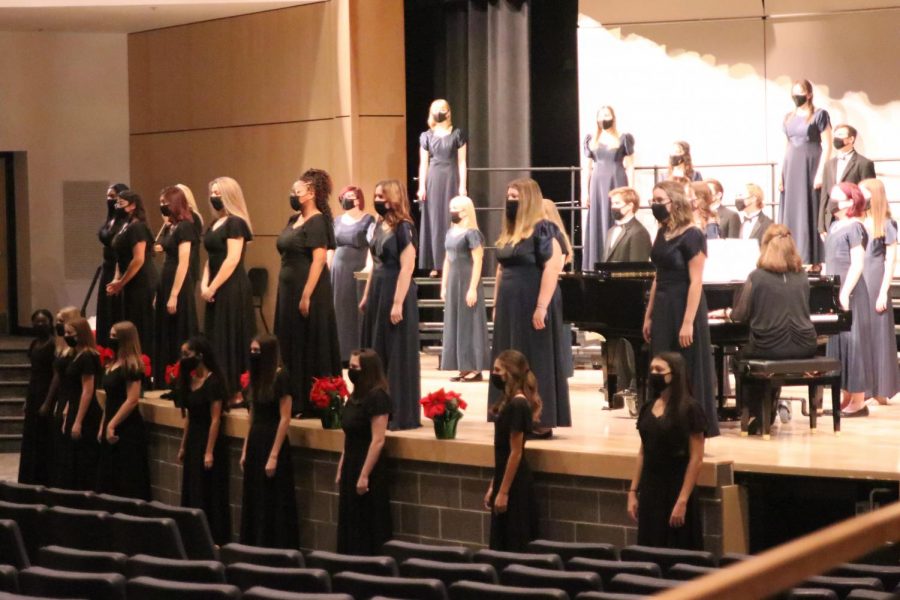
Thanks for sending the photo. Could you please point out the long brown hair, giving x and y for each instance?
(879, 210)
(778, 252)
(83, 334)
(704, 199)
(530, 213)
(687, 166)
(129, 347)
(262, 382)
(807, 88)
(395, 193)
(680, 211)
(551, 213)
(613, 130)
(519, 376)
(371, 371)
(679, 388)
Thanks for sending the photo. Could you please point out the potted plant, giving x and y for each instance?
(444, 408)
(328, 395)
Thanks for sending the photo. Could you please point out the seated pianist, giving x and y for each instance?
(774, 302)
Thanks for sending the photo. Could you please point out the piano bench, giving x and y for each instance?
(811, 372)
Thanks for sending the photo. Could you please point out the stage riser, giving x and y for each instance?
(435, 502)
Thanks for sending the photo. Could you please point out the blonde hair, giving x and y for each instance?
(83, 334)
(64, 315)
(189, 196)
(551, 213)
(395, 193)
(629, 196)
(464, 202)
(129, 352)
(681, 214)
(879, 209)
(530, 213)
(232, 198)
(431, 110)
(756, 192)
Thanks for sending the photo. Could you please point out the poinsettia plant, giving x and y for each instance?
(245, 380)
(443, 405)
(106, 355)
(328, 395)
(173, 371)
(148, 370)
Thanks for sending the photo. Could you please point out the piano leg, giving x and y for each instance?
(641, 370)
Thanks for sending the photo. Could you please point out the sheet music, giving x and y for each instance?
(730, 260)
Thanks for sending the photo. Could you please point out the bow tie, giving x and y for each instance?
(749, 219)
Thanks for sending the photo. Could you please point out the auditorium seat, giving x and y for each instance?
(85, 561)
(870, 595)
(29, 518)
(449, 573)
(76, 528)
(20, 493)
(666, 558)
(12, 546)
(501, 560)
(568, 550)
(811, 594)
(69, 498)
(363, 586)
(9, 578)
(843, 585)
(729, 558)
(400, 551)
(118, 504)
(571, 582)
(607, 596)
(193, 526)
(143, 535)
(473, 590)
(50, 583)
(150, 588)
(263, 593)
(607, 569)
(256, 555)
(291, 579)
(640, 584)
(335, 563)
(888, 574)
(15, 596)
(684, 572)
(174, 569)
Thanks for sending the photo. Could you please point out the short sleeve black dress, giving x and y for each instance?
(666, 445)
(269, 510)
(514, 304)
(124, 466)
(511, 531)
(109, 310)
(173, 330)
(85, 452)
(138, 294)
(364, 522)
(309, 345)
(60, 472)
(671, 258)
(397, 345)
(202, 488)
(229, 320)
(34, 457)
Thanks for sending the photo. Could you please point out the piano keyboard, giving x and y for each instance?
(819, 318)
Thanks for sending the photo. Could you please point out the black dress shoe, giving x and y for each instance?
(863, 412)
(473, 377)
(540, 434)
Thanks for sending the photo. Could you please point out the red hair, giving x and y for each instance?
(179, 209)
(360, 198)
(853, 193)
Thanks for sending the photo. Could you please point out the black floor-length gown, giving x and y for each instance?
(397, 345)
(514, 304)
(203, 488)
(109, 310)
(34, 457)
(138, 294)
(666, 443)
(229, 320)
(269, 508)
(512, 530)
(309, 345)
(85, 452)
(364, 522)
(174, 330)
(124, 466)
(60, 444)
(671, 258)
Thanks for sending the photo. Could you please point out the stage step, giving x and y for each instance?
(13, 389)
(10, 443)
(11, 407)
(10, 371)
(12, 425)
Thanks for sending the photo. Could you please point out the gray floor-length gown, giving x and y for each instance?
(607, 174)
(349, 257)
(884, 342)
(441, 184)
(465, 344)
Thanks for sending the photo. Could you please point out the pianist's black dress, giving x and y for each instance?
(671, 258)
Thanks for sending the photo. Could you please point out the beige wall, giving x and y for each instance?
(63, 102)
(263, 97)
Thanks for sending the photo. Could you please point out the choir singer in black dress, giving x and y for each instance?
(34, 457)
(81, 411)
(108, 312)
(661, 496)
(364, 508)
(510, 495)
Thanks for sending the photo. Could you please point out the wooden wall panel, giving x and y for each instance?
(383, 151)
(378, 42)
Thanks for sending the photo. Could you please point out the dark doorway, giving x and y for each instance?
(9, 314)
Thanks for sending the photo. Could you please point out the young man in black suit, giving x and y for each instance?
(753, 221)
(729, 220)
(845, 165)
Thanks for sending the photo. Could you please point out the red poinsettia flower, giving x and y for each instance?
(442, 403)
(245, 380)
(328, 392)
(106, 355)
(172, 372)
(147, 369)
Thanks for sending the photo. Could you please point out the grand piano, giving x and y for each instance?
(612, 300)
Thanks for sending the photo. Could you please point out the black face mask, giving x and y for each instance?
(512, 209)
(660, 212)
(355, 376)
(382, 208)
(658, 384)
(165, 210)
(43, 330)
(348, 203)
(121, 212)
(455, 217)
(216, 203)
(676, 159)
(617, 214)
(295, 202)
(71, 340)
(606, 123)
(839, 143)
(439, 117)
(60, 329)
(497, 381)
(113, 344)
(110, 204)
(799, 100)
(189, 363)
(740, 204)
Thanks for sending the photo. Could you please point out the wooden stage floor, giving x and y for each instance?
(866, 448)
